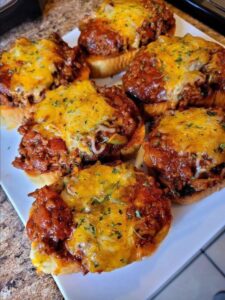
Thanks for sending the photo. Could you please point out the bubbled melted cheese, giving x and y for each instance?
(72, 112)
(196, 131)
(32, 65)
(104, 234)
(180, 61)
(124, 17)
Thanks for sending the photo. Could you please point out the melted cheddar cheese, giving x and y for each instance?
(104, 234)
(180, 60)
(124, 17)
(106, 182)
(32, 65)
(196, 131)
(72, 113)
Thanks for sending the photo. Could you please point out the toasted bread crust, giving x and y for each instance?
(52, 264)
(216, 99)
(197, 196)
(107, 66)
(156, 109)
(161, 235)
(136, 141)
(44, 178)
(12, 117)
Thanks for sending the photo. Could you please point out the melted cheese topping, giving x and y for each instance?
(125, 17)
(196, 131)
(72, 113)
(32, 65)
(104, 234)
(180, 61)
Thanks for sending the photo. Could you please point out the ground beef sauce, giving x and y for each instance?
(126, 109)
(97, 38)
(73, 62)
(39, 154)
(174, 170)
(51, 220)
(162, 21)
(150, 209)
(143, 80)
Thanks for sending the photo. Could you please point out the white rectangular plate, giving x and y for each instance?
(193, 226)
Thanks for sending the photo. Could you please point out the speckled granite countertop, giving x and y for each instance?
(18, 279)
